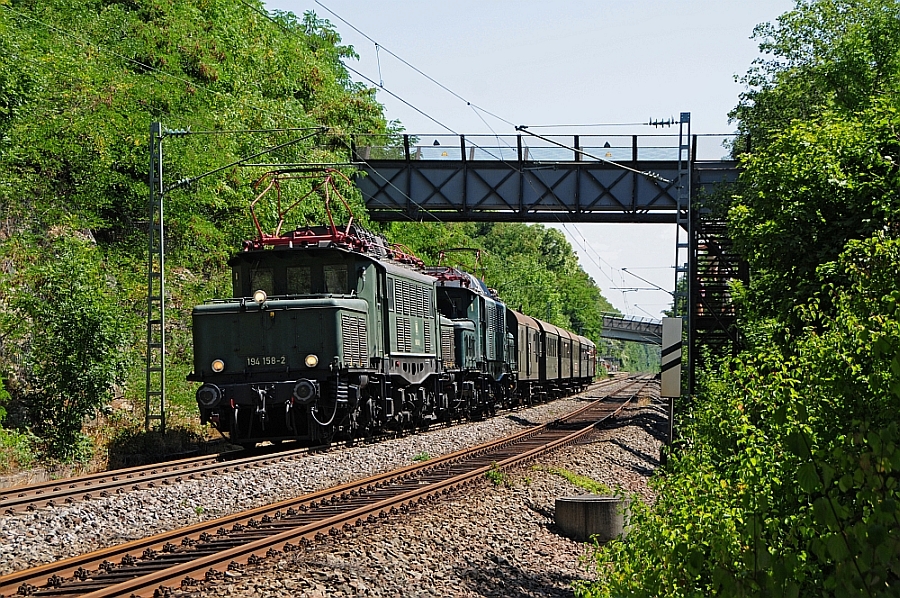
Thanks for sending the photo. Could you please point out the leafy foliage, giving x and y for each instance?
(80, 84)
(71, 340)
(496, 475)
(808, 193)
(785, 482)
(825, 55)
(102, 71)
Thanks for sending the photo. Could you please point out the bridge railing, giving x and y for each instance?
(630, 318)
(525, 148)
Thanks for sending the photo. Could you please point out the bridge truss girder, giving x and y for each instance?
(525, 190)
(463, 191)
(458, 190)
(626, 329)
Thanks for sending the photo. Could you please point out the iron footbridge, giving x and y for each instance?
(639, 330)
(628, 178)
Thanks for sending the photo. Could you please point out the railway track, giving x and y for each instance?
(208, 550)
(103, 484)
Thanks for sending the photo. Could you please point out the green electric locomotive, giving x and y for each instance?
(330, 334)
(333, 334)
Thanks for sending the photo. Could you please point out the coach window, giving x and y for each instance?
(299, 280)
(261, 278)
(336, 279)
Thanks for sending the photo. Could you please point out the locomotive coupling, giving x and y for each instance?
(305, 391)
(209, 395)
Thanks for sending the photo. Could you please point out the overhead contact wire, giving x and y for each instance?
(424, 74)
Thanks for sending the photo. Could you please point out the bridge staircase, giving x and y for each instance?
(714, 265)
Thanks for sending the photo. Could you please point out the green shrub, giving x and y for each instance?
(72, 334)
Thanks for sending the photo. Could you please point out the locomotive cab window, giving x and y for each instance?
(455, 304)
(336, 279)
(262, 278)
(299, 280)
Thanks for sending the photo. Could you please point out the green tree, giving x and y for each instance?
(80, 83)
(825, 55)
(813, 188)
(785, 482)
(73, 337)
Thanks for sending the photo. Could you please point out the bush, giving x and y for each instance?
(71, 334)
(787, 480)
(16, 448)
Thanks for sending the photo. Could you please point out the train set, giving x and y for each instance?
(334, 334)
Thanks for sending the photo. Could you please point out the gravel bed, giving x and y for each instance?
(53, 533)
(491, 541)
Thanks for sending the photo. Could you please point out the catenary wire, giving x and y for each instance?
(426, 75)
(476, 109)
(351, 69)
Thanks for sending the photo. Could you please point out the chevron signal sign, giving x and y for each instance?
(671, 357)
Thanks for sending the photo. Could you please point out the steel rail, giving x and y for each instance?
(68, 491)
(103, 484)
(161, 546)
(255, 551)
(68, 567)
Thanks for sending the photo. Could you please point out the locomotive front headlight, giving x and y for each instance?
(311, 360)
(260, 296)
(218, 366)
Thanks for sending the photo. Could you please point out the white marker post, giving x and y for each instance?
(671, 365)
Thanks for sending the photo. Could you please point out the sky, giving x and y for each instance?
(568, 62)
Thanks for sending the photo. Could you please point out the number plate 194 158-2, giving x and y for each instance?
(267, 360)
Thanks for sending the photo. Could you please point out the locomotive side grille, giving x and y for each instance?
(390, 294)
(356, 342)
(427, 338)
(420, 301)
(404, 340)
(499, 331)
(447, 347)
(410, 299)
(428, 309)
(404, 297)
(490, 333)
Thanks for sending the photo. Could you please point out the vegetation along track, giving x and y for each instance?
(103, 484)
(210, 549)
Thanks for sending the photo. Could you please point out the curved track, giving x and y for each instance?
(211, 549)
(103, 484)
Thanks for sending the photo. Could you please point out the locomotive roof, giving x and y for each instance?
(358, 243)
(454, 277)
